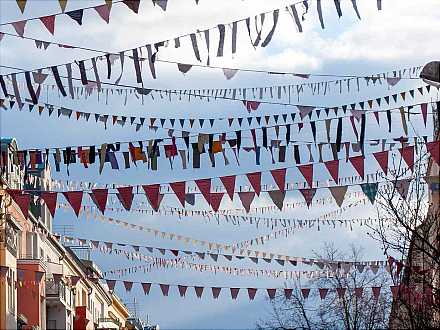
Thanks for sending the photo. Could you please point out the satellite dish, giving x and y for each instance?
(431, 73)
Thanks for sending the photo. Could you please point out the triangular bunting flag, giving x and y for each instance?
(22, 200)
(216, 199)
(204, 186)
(277, 197)
(153, 192)
(408, 156)
(125, 196)
(358, 164)
(246, 199)
(75, 199)
(133, 5)
(308, 195)
(255, 181)
(370, 190)
(424, 110)
(402, 186)
(382, 159)
(76, 15)
(63, 4)
(179, 189)
(19, 27)
(279, 177)
(50, 198)
(434, 149)
(229, 184)
(307, 172)
(146, 287)
(333, 168)
(49, 23)
(104, 12)
(305, 293)
(99, 197)
(338, 194)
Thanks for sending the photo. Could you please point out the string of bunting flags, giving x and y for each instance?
(154, 194)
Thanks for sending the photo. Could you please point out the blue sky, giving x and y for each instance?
(401, 35)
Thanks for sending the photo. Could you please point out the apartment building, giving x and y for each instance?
(43, 284)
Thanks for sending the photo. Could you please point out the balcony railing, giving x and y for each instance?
(109, 320)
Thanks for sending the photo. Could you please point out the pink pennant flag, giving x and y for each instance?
(341, 292)
(358, 292)
(382, 159)
(75, 199)
(153, 191)
(358, 164)
(255, 180)
(434, 149)
(307, 172)
(204, 186)
(182, 290)
(216, 199)
(376, 291)
(128, 285)
(49, 23)
(50, 198)
(215, 292)
(308, 195)
(333, 168)
(104, 12)
(246, 199)
(323, 293)
(199, 291)
(229, 183)
(21, 199)
(408, 156)
(305, 293)
(279, 177)
(125, 196)
(164, 288)
(271, 293)
(424, 110)
(251, 293)
(146, 287)
(111, 284)
(234, 293)
(179, 189)
(99, 197)
(338, 193)
(19, 27)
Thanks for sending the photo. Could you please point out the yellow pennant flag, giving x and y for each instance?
(21, 4)
(63, 4)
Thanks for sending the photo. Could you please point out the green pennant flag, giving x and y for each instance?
(370, 190)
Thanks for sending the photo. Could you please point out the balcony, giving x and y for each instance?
(31, 259)
(108, 323)
(59, 293)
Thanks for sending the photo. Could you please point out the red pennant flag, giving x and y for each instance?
(434, 149)
(104, 12)
(99, 197)
(308, 195)
(279, 177)
(111, 284)
(49, 23)
(182, 290)
(234, 293)
(408, 156)
(125, 196)
(255, 180)
(382, 159)
(333, 168)
(164, 288)
(199, 291)
(215, 292)
(305, 293)
(50, 198)
(19, 27)
(307, 172)
(395, 291)
(128, 285)
(21, 199)
(341, 292)
(376, 291)
(229, 183)
(146, 287)
(271, 293)
(152, 191)
(358, 292)
(251, 293)
(246, 199)
(358, 164)
(288, 293)
(75, 199)
(204, 186)
(179, 189)
(424, 110)
(323, 293)
(133, 5)
(216, 199)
